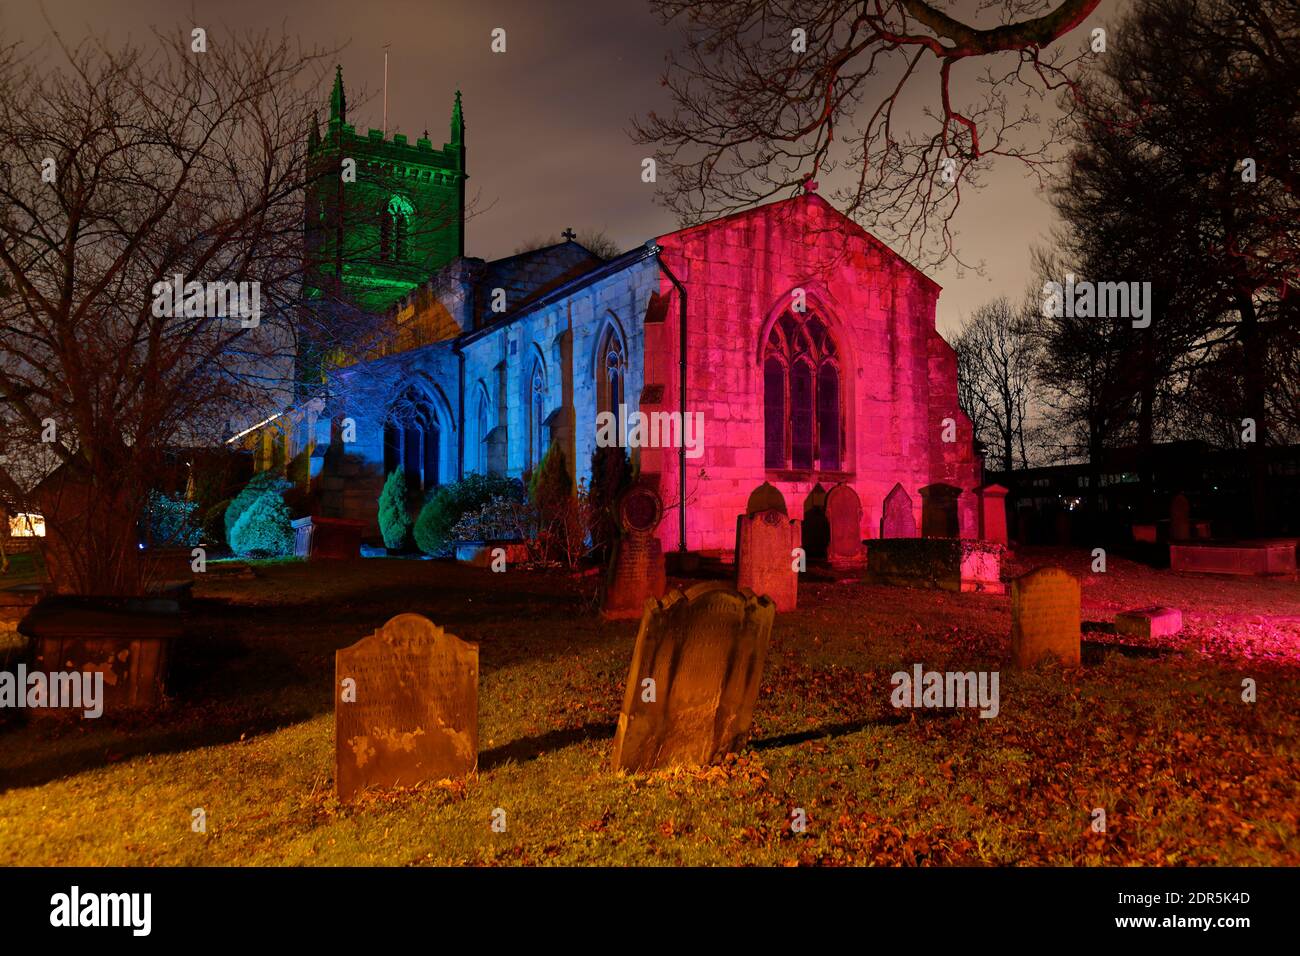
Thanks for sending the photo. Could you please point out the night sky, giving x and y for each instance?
(547, 122)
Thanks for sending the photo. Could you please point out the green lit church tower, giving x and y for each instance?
(370, 241)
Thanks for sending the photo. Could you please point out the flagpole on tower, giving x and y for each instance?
(386, 46)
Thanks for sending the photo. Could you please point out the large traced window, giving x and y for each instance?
(413, 442)
(802, 420)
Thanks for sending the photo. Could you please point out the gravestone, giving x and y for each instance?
(1180, 518)
(1148, 622)
(844, 512)
(993, 514)
(939, 511)
(1044, 617)
(766, 497)
(411, 713)
(636, 570)
(694, 678)
(816, 530)
(764, 559)
(897, 519)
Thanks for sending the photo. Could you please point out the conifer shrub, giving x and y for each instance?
(260, 484)
(264, 530)
(394, 515)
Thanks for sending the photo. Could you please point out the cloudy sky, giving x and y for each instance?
(547, 122)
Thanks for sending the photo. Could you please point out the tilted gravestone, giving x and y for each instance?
(1044, 617)
(765, 544)
(844, 512)
(897, 519)
(636, 570)
(939, 511)
(405, 707)
(766, 497)
(694, 678)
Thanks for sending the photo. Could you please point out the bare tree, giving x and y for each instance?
(768, 95)
(996, 353)
(124, 168)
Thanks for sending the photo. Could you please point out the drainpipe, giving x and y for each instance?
(657, 251)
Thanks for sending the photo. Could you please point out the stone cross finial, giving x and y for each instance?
(569, 234)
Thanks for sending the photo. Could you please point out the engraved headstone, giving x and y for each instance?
(405, 707)
(1044, 617)
(1180, 518)
(897, 519)
(844, 512)
(939, 511)
(694, 678)
(993, 514)
(636, 570)
(765, 543)
(766, 497)
(816, 536)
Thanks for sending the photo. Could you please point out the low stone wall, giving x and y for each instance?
(1262, 557)
(949, 564)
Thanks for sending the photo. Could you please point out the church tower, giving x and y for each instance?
(373, 237)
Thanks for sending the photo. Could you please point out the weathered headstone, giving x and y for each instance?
(1180, 518)
(764, 557)
(405, 707)
(1044, 617)
(694, 678)
(939, 511)
(993, 513)
(766, 497)
(816, 530)
(897, 519)
(844, 512)
(636, 570)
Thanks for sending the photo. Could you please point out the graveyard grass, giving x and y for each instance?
(1158, 736)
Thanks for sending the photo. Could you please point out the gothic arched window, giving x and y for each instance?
(611, 373)
(802, 420)
(483, 429)
(536, 415)
(413, 442)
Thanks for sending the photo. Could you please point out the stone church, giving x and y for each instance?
(804, 345)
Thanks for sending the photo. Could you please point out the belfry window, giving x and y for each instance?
(394, 229)
(802, 420)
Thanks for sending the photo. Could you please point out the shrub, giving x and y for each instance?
(263, 530)
(394, 518)
(550, 488)
(611, 474)
(260, 484)
(447, 504)
(499, 519)
(169, 521)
